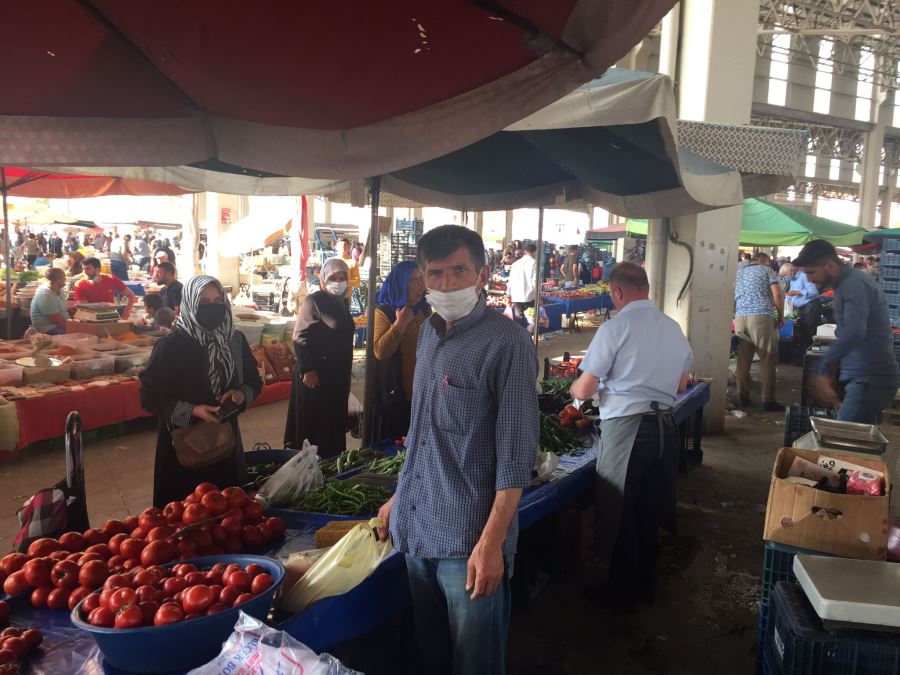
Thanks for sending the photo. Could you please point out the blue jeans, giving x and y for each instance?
(119, 268)
(458, 635)
(866, 397)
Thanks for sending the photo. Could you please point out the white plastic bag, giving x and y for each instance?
(254, 647)
(296, 477)
(789, 306)
(545, 465)
(346, 565)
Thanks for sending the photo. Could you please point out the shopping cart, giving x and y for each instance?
(63, 507)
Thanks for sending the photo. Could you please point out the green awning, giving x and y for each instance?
(767, 224)
(876, 235)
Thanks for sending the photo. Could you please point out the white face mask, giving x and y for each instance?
(453, 305)
(336, 287)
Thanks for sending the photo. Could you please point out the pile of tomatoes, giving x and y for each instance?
(60, 573)
(15, 643)
(156, 596)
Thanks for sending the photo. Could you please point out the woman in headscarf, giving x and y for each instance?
(323, 342)
(400, 313)
(201, 366)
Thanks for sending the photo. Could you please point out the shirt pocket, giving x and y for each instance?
(459, 410)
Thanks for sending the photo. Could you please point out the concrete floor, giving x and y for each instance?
(703, 622)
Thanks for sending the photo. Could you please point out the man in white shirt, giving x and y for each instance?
(521, 284)
(635, 366)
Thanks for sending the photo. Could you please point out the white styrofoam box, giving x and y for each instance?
(847, 591)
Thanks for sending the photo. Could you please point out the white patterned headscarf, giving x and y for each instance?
(332, 266)
(216, 343)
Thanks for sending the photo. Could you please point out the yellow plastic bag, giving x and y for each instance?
(342, 568)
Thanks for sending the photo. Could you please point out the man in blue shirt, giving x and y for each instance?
(758, 300)
(863, 355)
(472, 445)
(804, 295)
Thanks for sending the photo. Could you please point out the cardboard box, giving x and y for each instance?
(105, 329)
(851, 526)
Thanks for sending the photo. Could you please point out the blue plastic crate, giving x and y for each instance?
(798, 644)
(890, 245)
(890, 285)
(796, 420)
(778, 565)
(359, 337)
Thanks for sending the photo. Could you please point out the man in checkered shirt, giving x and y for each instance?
(472, 445)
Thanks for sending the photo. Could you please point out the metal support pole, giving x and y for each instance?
(537, 284)
(4, 190)
(368, 393)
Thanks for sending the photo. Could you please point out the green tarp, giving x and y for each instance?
(767, 224)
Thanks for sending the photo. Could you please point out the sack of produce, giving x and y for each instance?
(346, 565)
(282, 359)
(296, 477)
(254, 647)
(262, 364)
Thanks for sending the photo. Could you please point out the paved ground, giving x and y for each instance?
(703, 622)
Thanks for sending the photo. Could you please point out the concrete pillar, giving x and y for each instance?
(479, 223)
(717, 60)
(220, 209)
(668, 45)
(870, 166)
(657, 251)
(508, 236)
(188, 259)
(328, 216)
(887, 200)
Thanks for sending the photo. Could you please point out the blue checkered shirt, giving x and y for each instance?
(473, 431)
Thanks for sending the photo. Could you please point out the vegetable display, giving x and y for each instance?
(556, 387)
(257, 471)
(338, 498)
(554, 438)
(16, 644)
(351, 458)
(388, 466)
(59, 573)
(157, 596)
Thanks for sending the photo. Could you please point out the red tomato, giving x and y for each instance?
(216, 589)
(58, 555)
(187, 548)
(228, 596)
(131, 563)
(232, 526)
(11, 631)
(253, 569)
(265, 531)
(168, 613)
(195, 513)
(215, 608)
(151, 517)
(87, 557)
(100, 549)
(218, 534)
(33, 637)
(94, 536)
(160, 533)
(115, 542)
(90, 603)
(37, 573)
(203, 488)
(277, 526)
(147, 594)
(117, 563)
(75, 558)
(201, 539)
(64, 574)
(58, 598)
(228, 570)
(16, 583)
(102, 616)
(146, 578)
(239, 580)
(190, 499)
(121, 598)
(173, 512)
(138, 533)
(253, 511)
(72, 542)
(173, 585)
(235, 496)
(260, 583)
(252, 536)
(242, 598)
(4, 610)
(78, 595)
(148, 610)
(196, 599)
(93, 573)
(213, 578)
(39, 596)
(105, 595)
(236, 513)
(116, 581)
(194, 578)
(13, 562)
(17, 646)
(190, 617)
(112, 527)
(158, 553)
(131, 548)
(130, 617)
(43, 547)
(130, 523)
(7, 656)
(216, 502)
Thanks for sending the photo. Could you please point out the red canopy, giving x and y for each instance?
(315, 89)
(29, 183)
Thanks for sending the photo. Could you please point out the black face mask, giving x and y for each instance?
(210, 316)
